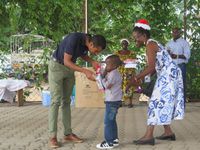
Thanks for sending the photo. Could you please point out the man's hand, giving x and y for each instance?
(95, 65)
(89, 74)
(174, 56)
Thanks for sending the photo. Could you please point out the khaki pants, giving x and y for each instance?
(61, 82)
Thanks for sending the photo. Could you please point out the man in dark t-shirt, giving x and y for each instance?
(61, 78)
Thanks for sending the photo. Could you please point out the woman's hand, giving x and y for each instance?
(132, 82)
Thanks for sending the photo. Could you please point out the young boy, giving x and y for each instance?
(112, 82)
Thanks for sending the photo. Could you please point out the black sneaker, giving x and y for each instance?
(104, 145)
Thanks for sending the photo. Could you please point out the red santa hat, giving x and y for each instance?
(143, 24)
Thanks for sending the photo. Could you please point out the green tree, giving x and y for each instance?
(112, 18)
(193, 72)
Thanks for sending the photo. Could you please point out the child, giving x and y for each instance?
(112, 81)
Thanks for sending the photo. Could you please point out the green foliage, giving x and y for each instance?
(193, 70)
(4, 27)
(34, 66)
(112, 18)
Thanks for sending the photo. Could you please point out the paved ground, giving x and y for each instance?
(25, 128)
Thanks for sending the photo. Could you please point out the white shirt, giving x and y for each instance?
(115, 92)
(179, 47)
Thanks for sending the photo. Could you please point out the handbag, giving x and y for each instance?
(148, 88)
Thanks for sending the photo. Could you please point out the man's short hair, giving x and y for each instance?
(99, 41)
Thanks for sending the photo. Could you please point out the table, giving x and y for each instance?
(9, 88)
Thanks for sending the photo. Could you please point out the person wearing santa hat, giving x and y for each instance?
(167, 100)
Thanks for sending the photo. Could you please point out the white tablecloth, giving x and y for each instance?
(8, 88)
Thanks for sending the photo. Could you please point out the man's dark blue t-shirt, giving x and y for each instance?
(73, 44)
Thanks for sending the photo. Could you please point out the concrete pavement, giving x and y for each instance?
(26, 128)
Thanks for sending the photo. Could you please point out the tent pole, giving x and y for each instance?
(185, 19)
(85, 17)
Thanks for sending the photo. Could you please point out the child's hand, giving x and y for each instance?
(104, 73)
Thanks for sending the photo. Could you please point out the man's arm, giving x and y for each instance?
(186, 50)
(175, 56)
(95, 64)
(87, 58)
(67, 62)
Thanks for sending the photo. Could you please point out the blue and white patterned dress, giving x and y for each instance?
(167, 101)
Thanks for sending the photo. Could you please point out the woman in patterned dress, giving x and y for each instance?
(126, 73)
(166, 102)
